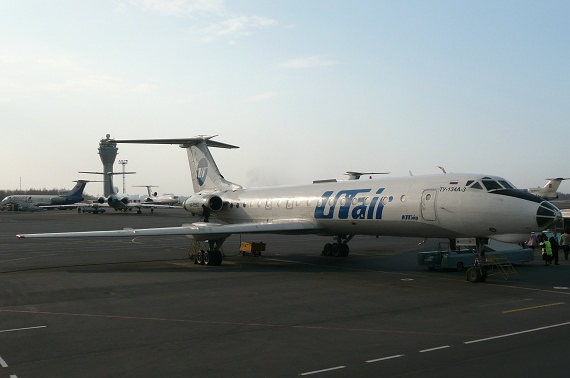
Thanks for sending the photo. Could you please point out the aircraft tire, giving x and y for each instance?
(344, 250)
(200, 258)
(207, 258)
(327, 250)
(217, 257)
(336, 250)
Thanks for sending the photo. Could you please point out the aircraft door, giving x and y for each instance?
(428, 204)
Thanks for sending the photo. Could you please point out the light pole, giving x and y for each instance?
(123, 163)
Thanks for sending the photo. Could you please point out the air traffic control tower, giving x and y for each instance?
(108, 152)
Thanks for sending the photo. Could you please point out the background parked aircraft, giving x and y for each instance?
(31, 202)
(164, 199)
(549, 190)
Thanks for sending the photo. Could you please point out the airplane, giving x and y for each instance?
(165, 199)
(436, 206)
(548, 191)
(34, 202)
(116, 201)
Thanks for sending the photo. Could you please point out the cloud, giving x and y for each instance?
(261, 97)
(179, 8)
(239, 26)
(47, 72)
(308, 62)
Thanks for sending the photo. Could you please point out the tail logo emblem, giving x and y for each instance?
(202, 171)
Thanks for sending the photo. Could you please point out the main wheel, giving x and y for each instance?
(207, 258)
(200, 258)
(327, 250)
(344, 249)
(336, 250)
(216, 256)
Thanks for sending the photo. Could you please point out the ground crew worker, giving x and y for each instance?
(565, 244)
(546, 249)
(555, 247)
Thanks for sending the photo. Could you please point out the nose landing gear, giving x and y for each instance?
(478, 272)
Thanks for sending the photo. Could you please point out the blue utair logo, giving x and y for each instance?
(360, 210)
(202, 171)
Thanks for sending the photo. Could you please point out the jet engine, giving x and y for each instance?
(201, 205)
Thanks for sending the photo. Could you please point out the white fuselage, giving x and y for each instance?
(428, 206)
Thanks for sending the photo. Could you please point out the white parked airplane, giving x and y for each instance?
(548, 191)
(438, 206)
(31, 202)
(117, 201)
(164, 199)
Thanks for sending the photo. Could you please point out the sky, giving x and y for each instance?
(307, 89)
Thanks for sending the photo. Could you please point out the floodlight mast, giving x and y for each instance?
(124, 163)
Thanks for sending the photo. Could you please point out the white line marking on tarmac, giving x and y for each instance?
(13, 376)
(561, 288)
(436, 348)
(517, 333)
(3, 363)
(323, 370)
(20, 329)
(385, 358)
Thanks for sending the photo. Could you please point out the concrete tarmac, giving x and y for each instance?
(116, 307)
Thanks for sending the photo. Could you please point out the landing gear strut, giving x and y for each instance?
(478, 272)
(339, 248)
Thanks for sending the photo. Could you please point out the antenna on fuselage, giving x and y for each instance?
(442, 169)
(356, 175)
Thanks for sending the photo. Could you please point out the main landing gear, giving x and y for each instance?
(339, 248)
(211, 256)
(478, 272)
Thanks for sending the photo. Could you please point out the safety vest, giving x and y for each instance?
(547, 248)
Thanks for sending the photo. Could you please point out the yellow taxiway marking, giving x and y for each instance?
(533, 307)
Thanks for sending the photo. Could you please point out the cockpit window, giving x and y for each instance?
(491, 185)
(469, 183)
(476, 186)
(506, 184)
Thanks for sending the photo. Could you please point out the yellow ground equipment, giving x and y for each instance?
(255, 248)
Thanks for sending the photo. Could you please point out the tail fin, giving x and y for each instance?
(548, 191)
(205, 172)
(77, 190)
(148, 189)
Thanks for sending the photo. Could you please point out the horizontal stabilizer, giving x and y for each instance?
(183, 142)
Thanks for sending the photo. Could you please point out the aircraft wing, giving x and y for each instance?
(71, 205)
(148, 205)
(198, 231)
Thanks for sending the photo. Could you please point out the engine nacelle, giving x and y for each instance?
(197, 203)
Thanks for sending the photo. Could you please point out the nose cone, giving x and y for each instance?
(547, 215)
